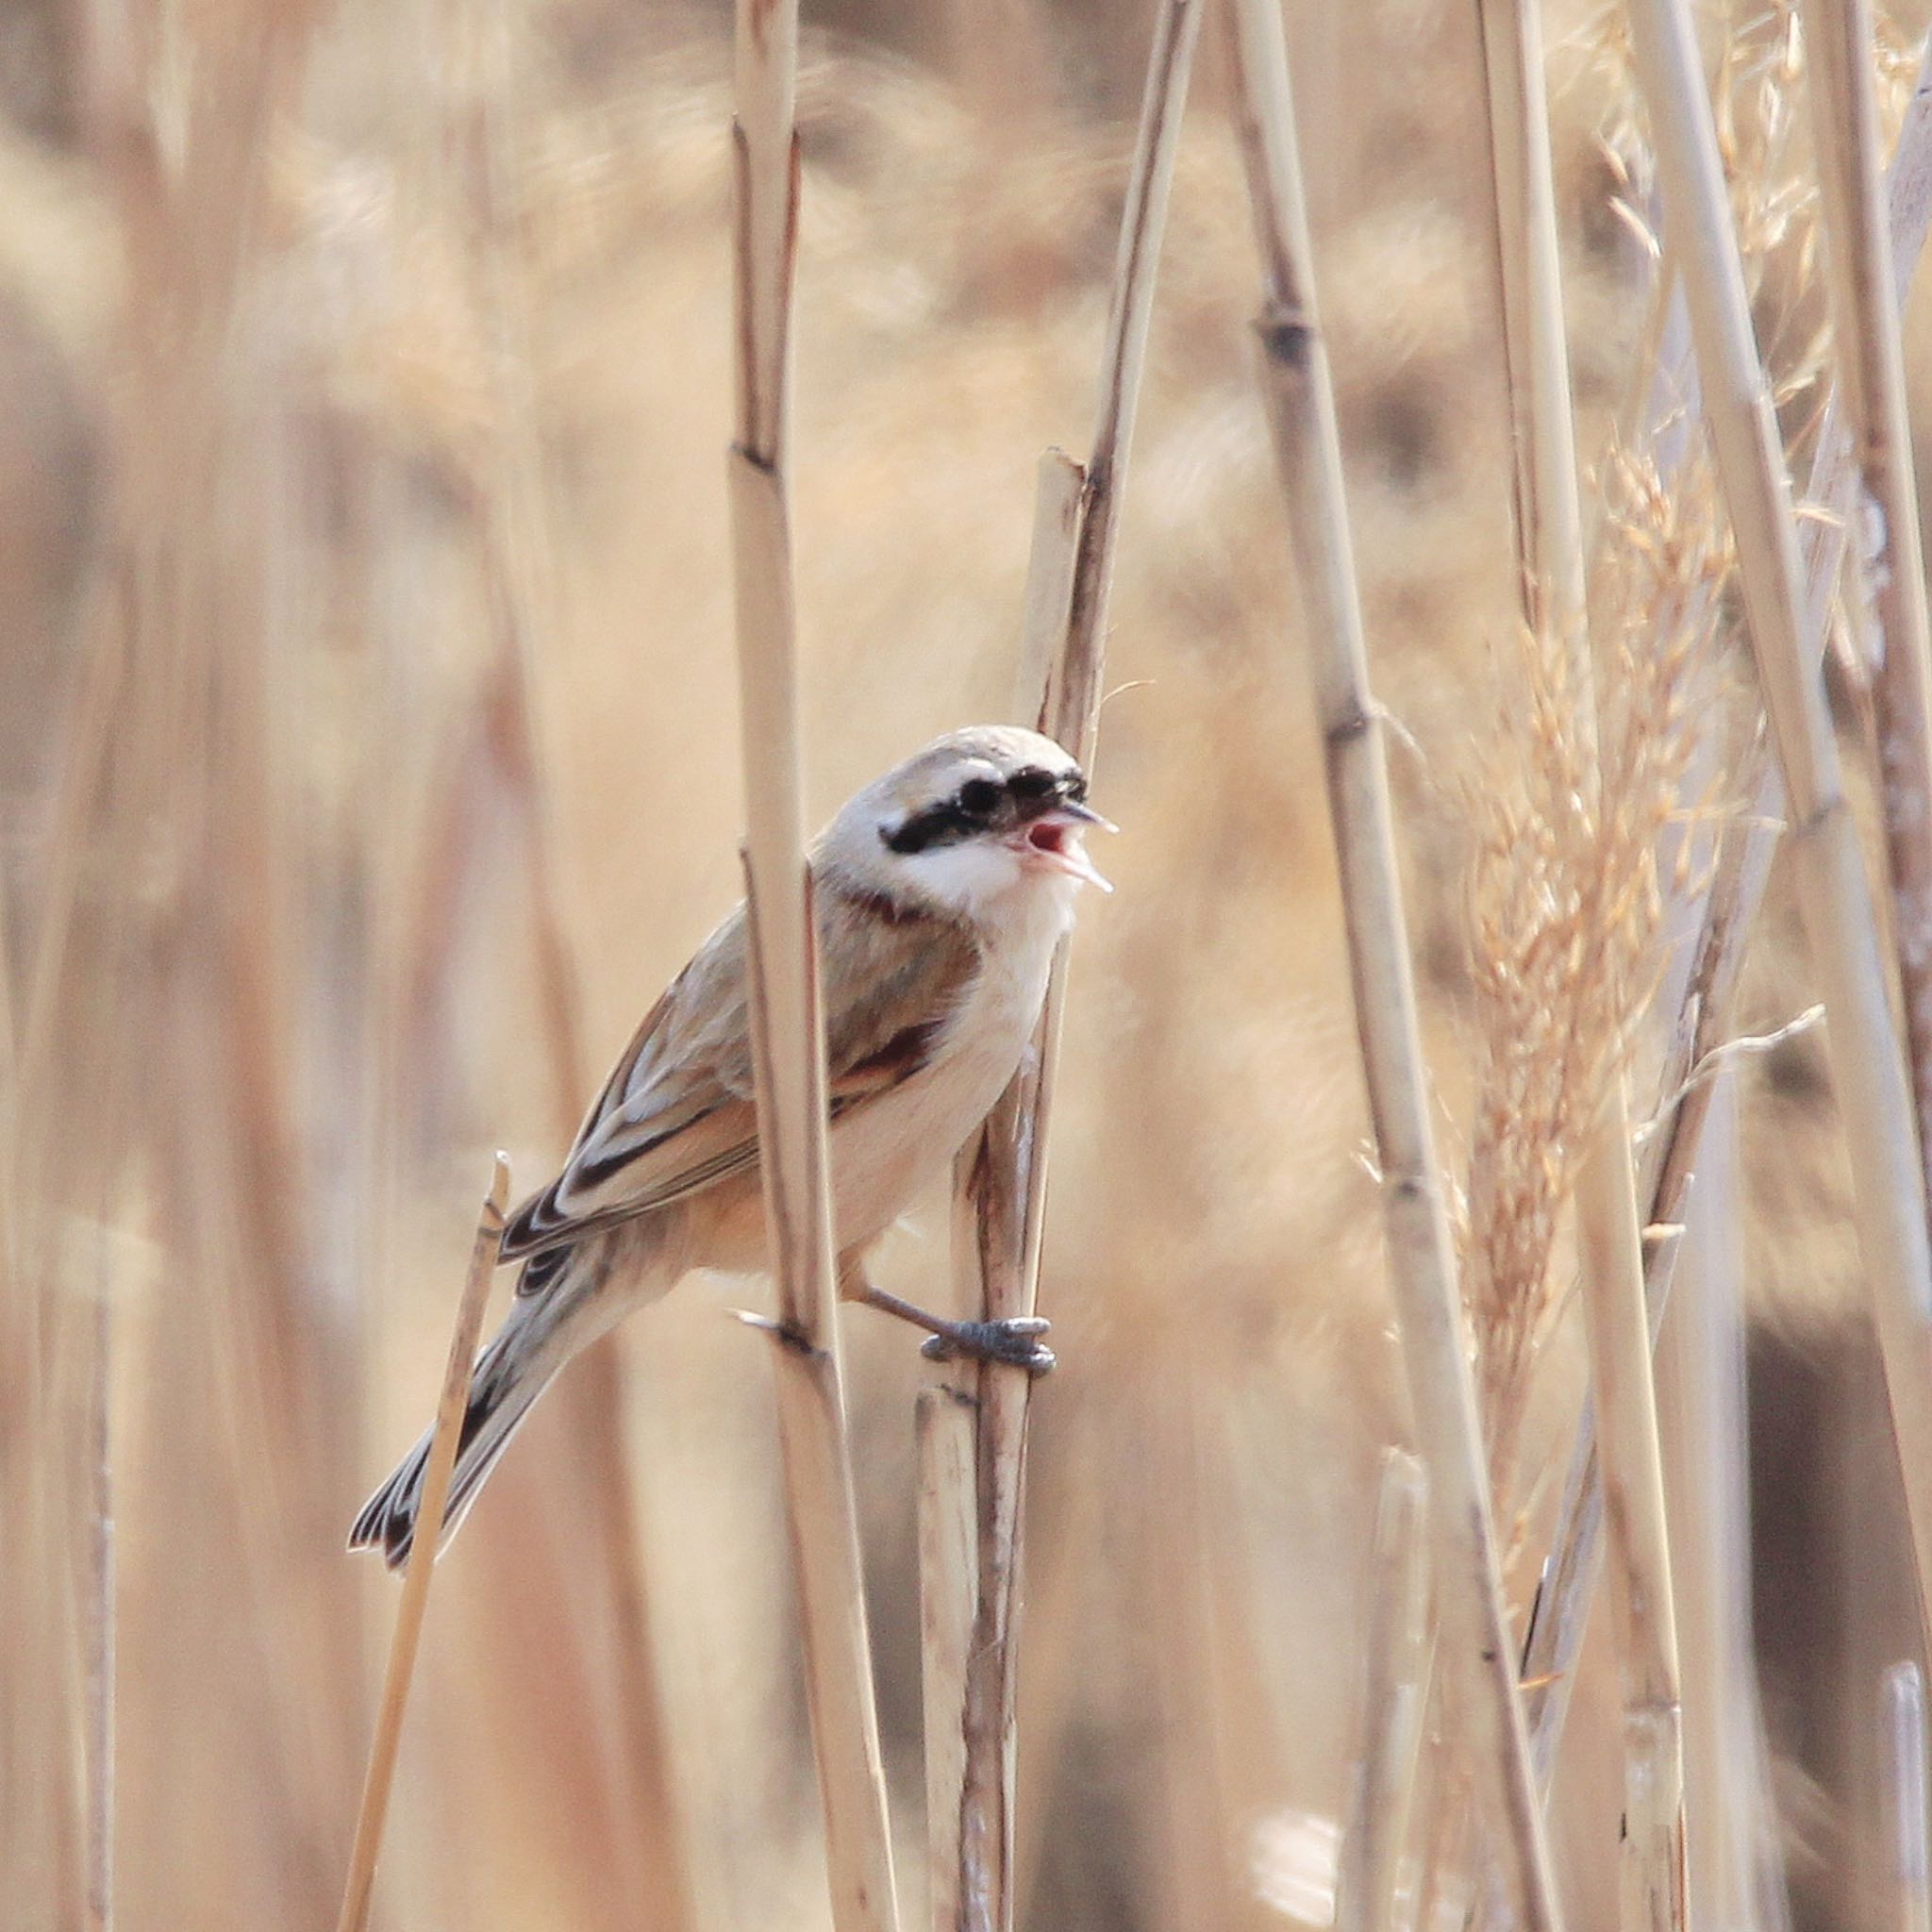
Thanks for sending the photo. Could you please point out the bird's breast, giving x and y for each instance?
(884, 1151)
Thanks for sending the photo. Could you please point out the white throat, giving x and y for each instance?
(985, 881)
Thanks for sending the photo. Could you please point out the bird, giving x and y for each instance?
(940, 892)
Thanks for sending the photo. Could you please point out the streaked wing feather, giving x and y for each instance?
(677, 1114)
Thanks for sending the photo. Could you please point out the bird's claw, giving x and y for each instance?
(1014, 1341)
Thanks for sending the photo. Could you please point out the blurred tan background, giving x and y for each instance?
(369, 761)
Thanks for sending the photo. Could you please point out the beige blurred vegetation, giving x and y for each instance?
(369, 760)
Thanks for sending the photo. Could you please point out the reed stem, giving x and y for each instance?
(787, 1021)
(1476, 1652)
(414, 1599)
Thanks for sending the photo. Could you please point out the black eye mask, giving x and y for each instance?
(981, 806)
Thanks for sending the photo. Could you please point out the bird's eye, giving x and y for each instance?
(979, 796)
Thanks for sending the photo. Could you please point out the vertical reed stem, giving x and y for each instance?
(787, 1025)
(1395, 1697)
(100, 1615)
(1870, 360)
(1905, 1780)
(1475, 1648)
(1001, 1171)
(1550, 544)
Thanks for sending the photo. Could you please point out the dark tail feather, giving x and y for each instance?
(510, 1376)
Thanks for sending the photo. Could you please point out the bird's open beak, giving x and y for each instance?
(1053, 840)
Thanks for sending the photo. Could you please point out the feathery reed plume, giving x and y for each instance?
(1709, 983)
(1474, 1651)
(1565, 901)
(1610, 1244)
(787, 1021)
(1875, 1099)
(412, 1603)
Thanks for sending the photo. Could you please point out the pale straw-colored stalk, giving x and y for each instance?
(1474, 1651)
(98, 1610)
(500, 490)
(1909, 1909)
(1874, 1101)
(997, 1184)
(1870, 361)
(1555, 1637)
(948, 1596)
(1395, 1697)
(1001, 1174)
(413, 1602)
(788, 1024)
(1735, 1864)
(1609, 1237)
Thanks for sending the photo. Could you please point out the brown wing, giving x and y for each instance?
(677, 1114)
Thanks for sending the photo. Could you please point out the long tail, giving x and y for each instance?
(542, 1332)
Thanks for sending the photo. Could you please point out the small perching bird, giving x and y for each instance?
(940, 891)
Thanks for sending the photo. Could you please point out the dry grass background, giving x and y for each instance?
(366, 386)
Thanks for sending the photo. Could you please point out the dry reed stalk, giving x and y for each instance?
(1610, 1251)
(1872, 384)
(997, 1181)
(1001, 1173)
(98, 1610)
(413, 1600)
(1652, 1860)
(1395, 1697)
(1568, 1583)
(1475, 1648)
(1910, 1907)
(1564, 917)
(165, 785)
(1736, 1868)
(514, 562)
(1874, 1101)
(948, 1595)
(788, 1024)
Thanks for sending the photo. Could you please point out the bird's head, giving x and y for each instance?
(980, 819)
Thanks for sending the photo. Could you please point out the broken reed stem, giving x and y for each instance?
(1474, 1648)
(787, 1023)
(1870, 361)
(1561, 1609)
(1051, 560)
(1874, 1103)
(1611, 1250)
(1903, 1722)
(1395, 1697)
(414, 1599)
(1001, 1173)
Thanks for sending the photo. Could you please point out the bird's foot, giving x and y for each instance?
(1015, 1342)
